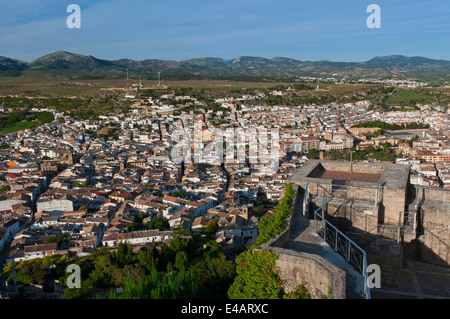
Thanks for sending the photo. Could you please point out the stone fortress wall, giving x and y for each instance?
(322, 278)
(432, 244)
(368, 203)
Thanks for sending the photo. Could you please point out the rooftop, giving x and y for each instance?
(356, 173)
(340, 177)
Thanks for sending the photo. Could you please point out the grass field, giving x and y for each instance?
(18, 126)
(53, 88)
(409, 97)
(99, 88)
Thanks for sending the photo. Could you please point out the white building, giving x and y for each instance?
(136, 238)
(63, 205)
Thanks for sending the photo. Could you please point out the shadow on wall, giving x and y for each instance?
(418, 251)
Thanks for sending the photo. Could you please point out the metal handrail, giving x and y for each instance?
(416, 208)
(334, 187)
(348, 247)
(326, 190)
(340, 206)
(378, 194)
(306, 200)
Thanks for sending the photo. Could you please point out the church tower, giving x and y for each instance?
(244, 212)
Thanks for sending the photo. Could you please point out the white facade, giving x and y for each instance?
(135, 238)
(63, 205)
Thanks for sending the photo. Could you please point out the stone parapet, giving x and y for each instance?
(321, 278)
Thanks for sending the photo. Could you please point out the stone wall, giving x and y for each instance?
(368, 168)
(358, 167)
(393, 181)
(394, 201)
(362, 192)
(433, 245)
(360, 218)
(281, 239)
(436, 237)
(318, 187)
(321, 278)
(389, 256)
(434, 194)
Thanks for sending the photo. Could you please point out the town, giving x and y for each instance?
(73, 185)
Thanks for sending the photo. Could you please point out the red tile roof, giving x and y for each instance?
(43, 247)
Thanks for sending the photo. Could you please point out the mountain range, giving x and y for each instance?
(66, 65)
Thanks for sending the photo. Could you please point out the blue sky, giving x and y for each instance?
(178, 30)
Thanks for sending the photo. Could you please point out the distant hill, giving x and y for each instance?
(66, 65)
(400, 60)
(11, 67)
(62, 60)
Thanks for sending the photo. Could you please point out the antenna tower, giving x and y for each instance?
(128, 82)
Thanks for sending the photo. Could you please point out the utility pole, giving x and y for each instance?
(128, 82)
(159, 78)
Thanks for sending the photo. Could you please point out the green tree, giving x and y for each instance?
(181, 194)
(181, 244)
(37, 273)
(81, 185)
(176, 285)
(5, 188)
(100, 276)
(212, 227)
(313, 154)
(160, 223)
(214, 273)
(299, 293)
(148, 257)
(257, 277)
(270, 226)
(411, 141)
(124, 254)
(181, 259)
(75, 293)
(133, 272)
(45, 117)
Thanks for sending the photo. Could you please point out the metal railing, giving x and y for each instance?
(327, 192)
(306, 200)
(416, 210)
(410, 218)
(378, 194)
(331, 190)
(343, 245)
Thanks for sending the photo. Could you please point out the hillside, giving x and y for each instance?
(66, 65)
